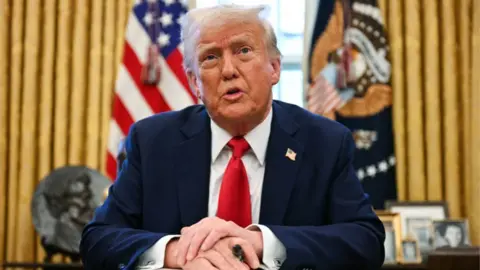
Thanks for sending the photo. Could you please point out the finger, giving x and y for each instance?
(212, 238)
(250, 256)
(227, 229)
(195, 243)
(184, 230)
(217, 260)
(182, 247)
(200, 263)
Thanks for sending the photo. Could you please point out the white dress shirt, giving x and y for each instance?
(274, 253)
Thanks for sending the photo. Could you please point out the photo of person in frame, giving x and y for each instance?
(420, 228)
(410, 251)
(451, 234)
(389, 244)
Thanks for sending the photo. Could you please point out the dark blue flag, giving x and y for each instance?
(349, 75)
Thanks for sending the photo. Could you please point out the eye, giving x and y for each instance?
(209, 57)
(245, 50)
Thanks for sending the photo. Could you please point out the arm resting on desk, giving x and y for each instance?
(113, 240)
(354, 238)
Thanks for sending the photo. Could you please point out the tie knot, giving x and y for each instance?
(239, 146)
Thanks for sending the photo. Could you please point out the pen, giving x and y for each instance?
(238, 253)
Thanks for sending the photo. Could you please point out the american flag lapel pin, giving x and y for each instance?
(291, 154)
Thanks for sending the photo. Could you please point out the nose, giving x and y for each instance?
(229, 70)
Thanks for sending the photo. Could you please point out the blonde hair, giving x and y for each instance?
(199, 18)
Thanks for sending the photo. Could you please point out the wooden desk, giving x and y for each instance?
(455, 259)
(405, 267)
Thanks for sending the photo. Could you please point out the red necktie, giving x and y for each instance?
(234, 200)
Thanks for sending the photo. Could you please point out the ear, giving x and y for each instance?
(276, 66)
(194, 83)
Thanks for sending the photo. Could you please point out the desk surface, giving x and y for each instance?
(405, 266)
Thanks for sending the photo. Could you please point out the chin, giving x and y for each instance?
(237, 111)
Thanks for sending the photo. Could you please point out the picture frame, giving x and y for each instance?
(451, 233)
(417, 219)
(393, 236)
(410, 251)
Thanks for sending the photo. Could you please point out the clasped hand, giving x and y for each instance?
(208, 245)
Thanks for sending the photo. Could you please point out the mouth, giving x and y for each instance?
(233, 94)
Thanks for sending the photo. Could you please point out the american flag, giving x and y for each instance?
(323, 97)
(152, 24)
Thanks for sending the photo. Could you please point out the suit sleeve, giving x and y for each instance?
(354, 237)
(113, 239)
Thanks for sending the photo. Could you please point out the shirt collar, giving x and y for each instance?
(257, 138)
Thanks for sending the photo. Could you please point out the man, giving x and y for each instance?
(240, 170)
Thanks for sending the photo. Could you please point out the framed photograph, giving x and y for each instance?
(417, 220)
(451, 233)
(393, 236)
(410, 251)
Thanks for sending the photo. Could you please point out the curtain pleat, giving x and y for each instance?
(432, 93)
(24, 249)
(94, 83)
(79, 83)
(5, 17)
(396, 29)
(414, 100)
(15, 92)
(474, 143)
(46, 97)
(450, 91)
(464, 24)
(62, 83)
(109, 67)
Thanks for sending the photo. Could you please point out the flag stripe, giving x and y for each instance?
(173, 91)
(150, 93)
(133, 100)
(323, 98)
(172, 60)
(122, 116)
(111, 166)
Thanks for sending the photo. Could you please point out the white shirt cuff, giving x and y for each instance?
(274, 252)
(154, 257)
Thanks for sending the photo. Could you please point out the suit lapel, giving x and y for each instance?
(192, 168)
(281, 171)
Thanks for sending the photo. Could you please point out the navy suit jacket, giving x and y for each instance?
(315, 204)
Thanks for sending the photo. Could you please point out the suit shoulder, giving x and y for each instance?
(314, 122)
(166, 121)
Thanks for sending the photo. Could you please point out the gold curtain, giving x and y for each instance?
(58, 61)
(435, 50)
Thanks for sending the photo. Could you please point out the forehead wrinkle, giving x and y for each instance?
(224, 42)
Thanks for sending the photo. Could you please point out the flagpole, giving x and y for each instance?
(311, 9)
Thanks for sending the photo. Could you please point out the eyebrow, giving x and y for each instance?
(202, 48)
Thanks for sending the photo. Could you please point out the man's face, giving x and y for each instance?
(233, 73)
(453, 234)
